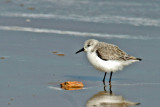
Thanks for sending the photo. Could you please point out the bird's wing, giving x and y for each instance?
(112, 52)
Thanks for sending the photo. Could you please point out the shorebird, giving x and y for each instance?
(107, 57)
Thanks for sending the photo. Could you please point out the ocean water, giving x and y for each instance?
(138, 19)
(30, 30)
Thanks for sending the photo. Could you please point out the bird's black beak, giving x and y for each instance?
(80, 50)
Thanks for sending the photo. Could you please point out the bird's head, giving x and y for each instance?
(89, 45)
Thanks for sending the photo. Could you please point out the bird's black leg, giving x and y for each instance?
(110, 78)
(104, 81)
(110, 89)
(104, 78)
(104, 87)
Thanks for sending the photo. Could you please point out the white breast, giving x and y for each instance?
(106, 66)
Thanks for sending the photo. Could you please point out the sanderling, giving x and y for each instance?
(107, 57)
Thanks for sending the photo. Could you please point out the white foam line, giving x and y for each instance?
(74, 33)
(137, 21)
(54, 88)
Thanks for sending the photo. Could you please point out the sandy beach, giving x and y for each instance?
(31, 73)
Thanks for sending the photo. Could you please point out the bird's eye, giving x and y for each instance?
(88, 45)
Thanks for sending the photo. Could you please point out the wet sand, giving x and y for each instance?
(38, 41)
(30, 72)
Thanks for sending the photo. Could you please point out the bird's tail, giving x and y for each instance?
(134, 58)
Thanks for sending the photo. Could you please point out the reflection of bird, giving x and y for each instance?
(106, 57)
(104, 99)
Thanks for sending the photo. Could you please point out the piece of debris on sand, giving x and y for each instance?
(72, 85)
